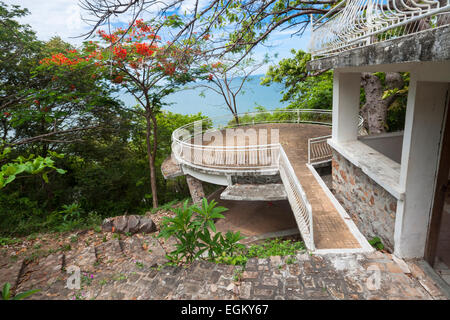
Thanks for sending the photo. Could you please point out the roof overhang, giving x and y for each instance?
(431, 45)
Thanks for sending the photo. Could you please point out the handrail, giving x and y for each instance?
(363, 22)
(300, 205)
(189, 148)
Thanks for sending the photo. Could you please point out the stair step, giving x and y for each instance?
(41, 274)
(10, 271)
(85, 259)
(147, 250)
(255, 192)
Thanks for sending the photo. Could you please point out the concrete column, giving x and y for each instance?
(425, 114)
(196, 189)
(346, 96)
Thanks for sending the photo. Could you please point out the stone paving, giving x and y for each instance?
(135, 268)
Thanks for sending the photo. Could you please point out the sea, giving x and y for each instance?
(192, 100)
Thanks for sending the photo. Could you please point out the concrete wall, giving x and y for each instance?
(389, 144)
(371, 207)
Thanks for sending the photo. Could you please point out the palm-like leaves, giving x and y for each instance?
(6, 293)
(194, 228)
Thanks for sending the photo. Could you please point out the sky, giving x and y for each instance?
(62, 18)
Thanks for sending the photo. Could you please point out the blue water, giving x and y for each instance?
(212, 104)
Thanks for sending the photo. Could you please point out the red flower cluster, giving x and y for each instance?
(120, 52)
(144, 49)
(140, 24)
(118, 79)
(108, 37)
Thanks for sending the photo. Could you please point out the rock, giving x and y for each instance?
(121, 224)
(107, 225)
(147, 226)
(133, 223)
(129, 224)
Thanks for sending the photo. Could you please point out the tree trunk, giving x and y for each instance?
(375, 109)
(151, 153)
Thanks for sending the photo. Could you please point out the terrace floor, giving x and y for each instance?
(330, 229)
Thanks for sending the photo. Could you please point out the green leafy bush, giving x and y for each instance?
(196, 234)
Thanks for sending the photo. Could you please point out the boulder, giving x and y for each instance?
(129, 224)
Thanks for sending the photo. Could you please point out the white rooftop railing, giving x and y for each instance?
(357, 23)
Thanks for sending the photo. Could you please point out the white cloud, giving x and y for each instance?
(54, 17)
(63, 18)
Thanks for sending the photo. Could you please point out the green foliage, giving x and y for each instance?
(396, 112)
(275, 247)
(268, 248)
(376, 243)
(5, 294)
(301, 90)
(196, 235)
(31, 165)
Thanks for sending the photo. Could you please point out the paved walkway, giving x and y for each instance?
(133, 268)
(330, 230)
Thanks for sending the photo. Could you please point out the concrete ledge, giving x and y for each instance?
(254, 192)
(428, 45)
(170, 168)
(375, 165)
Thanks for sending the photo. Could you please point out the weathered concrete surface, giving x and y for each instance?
(254, 192)
(371, 207)
(170, 168)
(429, 45)
(196, 189)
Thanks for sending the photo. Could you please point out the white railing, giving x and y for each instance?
(357, 23)
(297, 199)
(202, 144)
(319, 151)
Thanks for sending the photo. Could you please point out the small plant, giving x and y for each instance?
(196, 233)
(275, 247)
(139, 264)
(376, 243)
(74, 238)
(87, 278)
(116, 236)
(290, 260)
(6, 293)
(8, 241)
(66, 247)
(97, 229)
(237, 276)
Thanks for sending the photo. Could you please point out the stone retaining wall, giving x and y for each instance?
(371, 207)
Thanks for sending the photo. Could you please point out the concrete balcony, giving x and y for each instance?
(255, 152)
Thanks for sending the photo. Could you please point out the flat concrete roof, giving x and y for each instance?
(428, 45)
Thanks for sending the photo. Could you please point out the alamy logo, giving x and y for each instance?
(74, 280)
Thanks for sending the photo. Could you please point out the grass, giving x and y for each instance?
(167, 206)
(268, 248)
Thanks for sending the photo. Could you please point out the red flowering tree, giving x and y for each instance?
(137, 60)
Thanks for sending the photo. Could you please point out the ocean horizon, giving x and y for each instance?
(190, 100)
